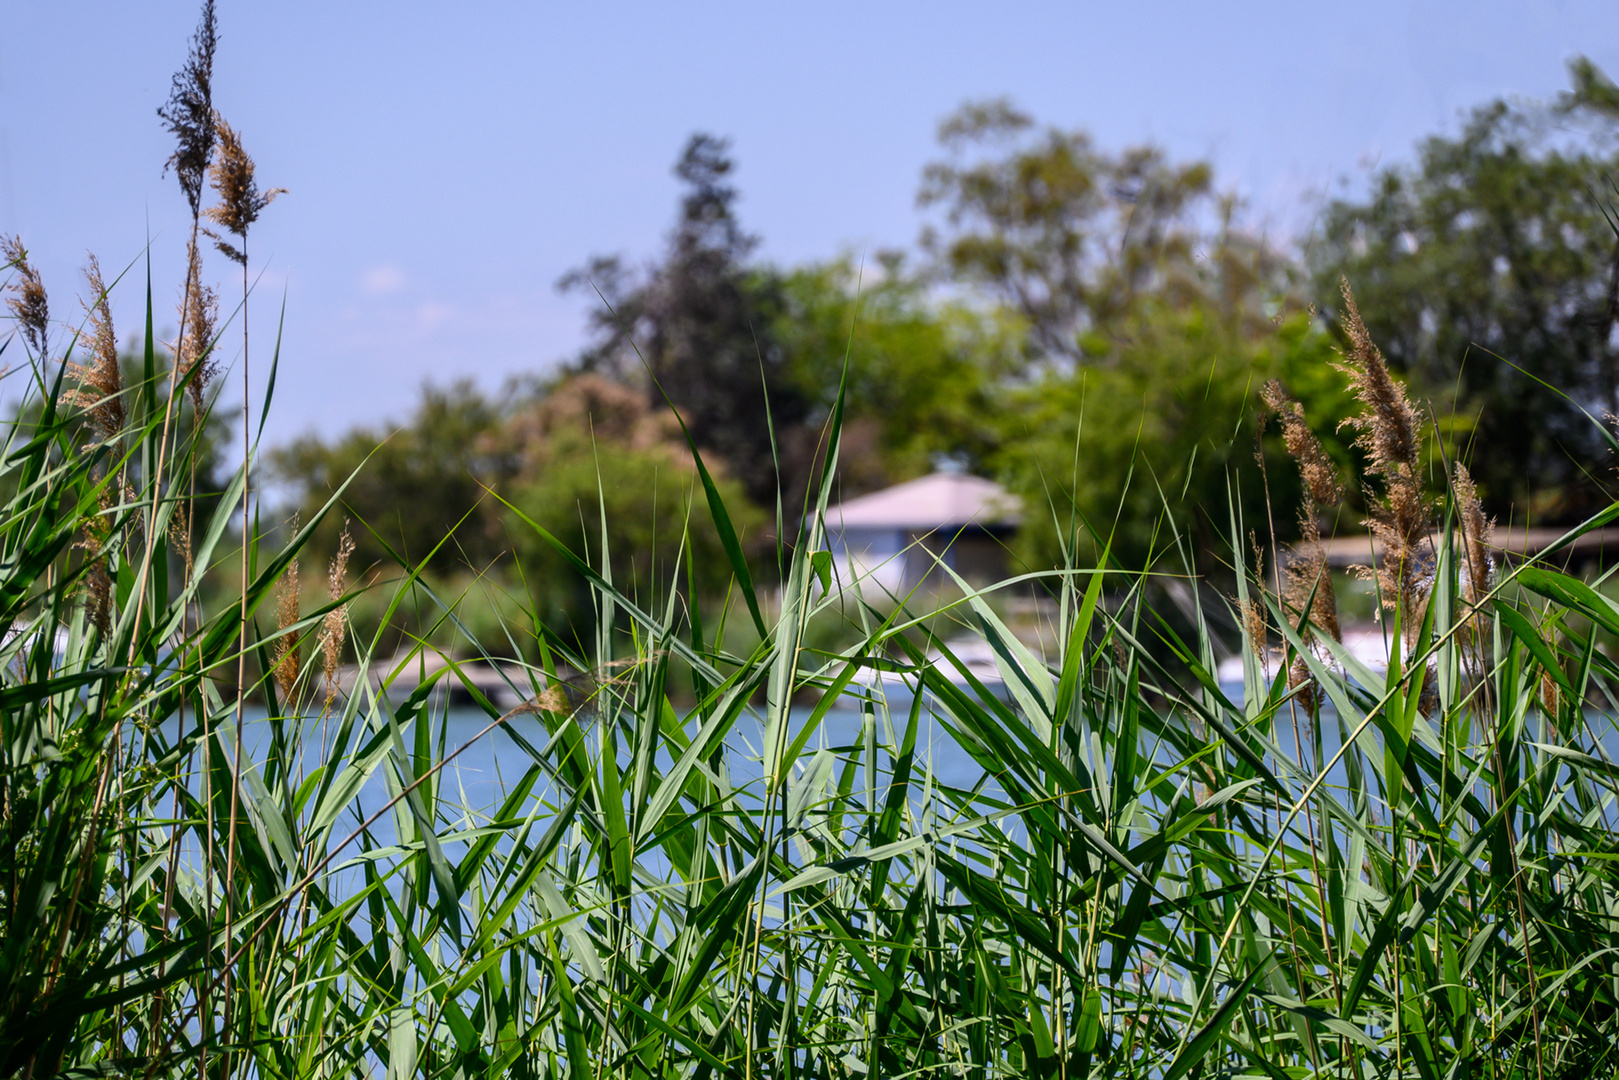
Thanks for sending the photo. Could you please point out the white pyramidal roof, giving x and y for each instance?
(937, 501)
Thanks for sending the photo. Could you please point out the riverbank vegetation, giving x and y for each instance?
(839, 855)
(1064, 303)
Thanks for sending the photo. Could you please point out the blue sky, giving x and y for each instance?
(447, 163)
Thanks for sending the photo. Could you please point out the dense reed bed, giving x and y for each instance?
(1341, 871)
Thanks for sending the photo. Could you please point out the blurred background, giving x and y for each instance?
(1062, 246)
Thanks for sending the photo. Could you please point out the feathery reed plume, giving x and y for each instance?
(97, 582)
(1253, 626)
(286, 614)
(180, 531)
(1253, 614)
(240, 200)
(1477, 534)
(1550, 695)
(1319, 473)
(1308, 587)
(101, 383)
(1390, 433)
(1478, 568)
(199, 310)
(552, 699)
(335, 629)
(189, 112)
(28, 306)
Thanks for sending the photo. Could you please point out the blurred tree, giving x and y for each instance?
(418, 482)
(1488, 270)
(1152, 319)
(593, 448)
(923, 374)
(701, 319)
(1072, 238)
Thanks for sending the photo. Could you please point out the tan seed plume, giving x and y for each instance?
(199, 311)
(1318, 470)
(97, 581)
(180, 533)
(1307, 585)
(1551, 697)
(335, 629)
(286, 614)
(1253, 626)
(101, 383)
(240, 200)
(1252, 613)
(1390, 433)
(28, 304)
(1478, 533)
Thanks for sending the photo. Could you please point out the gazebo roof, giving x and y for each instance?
(938, 501)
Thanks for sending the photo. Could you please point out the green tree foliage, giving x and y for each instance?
(1092, 327)
(555, 452)
(1128, 452)
(1488, 273)
(700, 320)
(419, 481)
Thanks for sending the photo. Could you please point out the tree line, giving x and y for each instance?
(1090, 327)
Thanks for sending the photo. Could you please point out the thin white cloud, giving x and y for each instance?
(432, 315)
(384, 280)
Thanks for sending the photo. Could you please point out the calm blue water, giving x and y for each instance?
(476, 781)
(489, 763)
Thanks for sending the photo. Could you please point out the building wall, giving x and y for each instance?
(897, 561)
(874, 557)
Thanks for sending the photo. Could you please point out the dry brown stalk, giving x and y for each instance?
(189, 117)
(1390, 433)
(286, 614)
(240, 200)
(199, 310)
(335, 630)
(101, 383)
(29, 305)
(240, 204)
